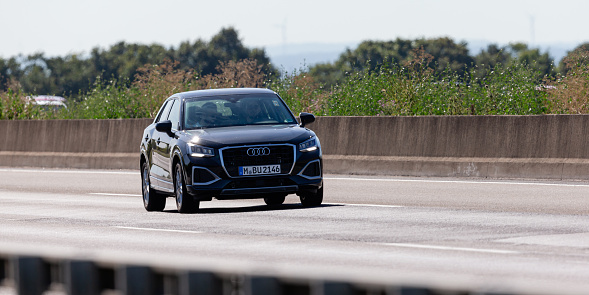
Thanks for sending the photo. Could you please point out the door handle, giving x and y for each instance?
(158, 141)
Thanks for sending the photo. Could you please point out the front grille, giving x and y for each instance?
(235, 157)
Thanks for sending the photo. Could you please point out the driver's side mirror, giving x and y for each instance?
(164, 126)
(306, 118)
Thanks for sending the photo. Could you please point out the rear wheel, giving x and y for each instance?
(152, 200)
(184, 202)
(274, 200)
(309, 199)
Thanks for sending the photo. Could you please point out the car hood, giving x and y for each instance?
(246, 135)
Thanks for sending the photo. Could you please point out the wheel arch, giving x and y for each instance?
(142, 159)
(177, 158)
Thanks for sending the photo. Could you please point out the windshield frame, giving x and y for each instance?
(232, 110)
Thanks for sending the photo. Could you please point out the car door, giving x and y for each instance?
(158, 152)
(162, 147)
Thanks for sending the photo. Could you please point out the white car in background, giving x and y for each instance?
(48, 102)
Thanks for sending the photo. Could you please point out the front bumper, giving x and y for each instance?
(256, 187)
(207, 179)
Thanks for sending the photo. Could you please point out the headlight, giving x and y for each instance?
(200, 151)
(308, 145)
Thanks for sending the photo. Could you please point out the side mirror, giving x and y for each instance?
(306, 118)
(164, 126)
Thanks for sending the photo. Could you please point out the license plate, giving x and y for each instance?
(257, 170)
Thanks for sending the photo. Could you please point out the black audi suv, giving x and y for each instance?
(229, 144)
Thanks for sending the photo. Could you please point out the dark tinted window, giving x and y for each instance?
(175, 114)
(235, 110)
(165, 110)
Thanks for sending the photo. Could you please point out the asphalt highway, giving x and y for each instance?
(519, 236)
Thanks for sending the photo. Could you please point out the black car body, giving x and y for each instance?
(229, 144)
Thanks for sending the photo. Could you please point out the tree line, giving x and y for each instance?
(76, 74)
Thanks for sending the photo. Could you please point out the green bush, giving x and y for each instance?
(411, 89)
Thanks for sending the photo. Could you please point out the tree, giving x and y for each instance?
(446, 54)
(520, 53)
(3, 74)
(34, 77)
(122, 60)
(371, 55)
(576, 58)
(72, 74)
(542, 63)
(226, 46)
(492, 56)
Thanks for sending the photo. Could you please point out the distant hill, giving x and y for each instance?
(296, 57)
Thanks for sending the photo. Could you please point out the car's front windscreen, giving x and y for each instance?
(236, 110)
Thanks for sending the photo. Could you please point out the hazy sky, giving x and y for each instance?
(60, 27)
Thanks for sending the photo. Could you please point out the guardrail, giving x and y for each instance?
(34, 275)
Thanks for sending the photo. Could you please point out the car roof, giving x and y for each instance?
(223, 91)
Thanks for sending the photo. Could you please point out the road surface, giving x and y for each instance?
(469, 234)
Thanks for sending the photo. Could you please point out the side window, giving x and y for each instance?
(175, 115)
(163, 114)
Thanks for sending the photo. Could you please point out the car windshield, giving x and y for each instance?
(236, 110)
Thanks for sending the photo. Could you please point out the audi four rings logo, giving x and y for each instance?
(261, 151)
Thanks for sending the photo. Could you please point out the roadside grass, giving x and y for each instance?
(411, 89)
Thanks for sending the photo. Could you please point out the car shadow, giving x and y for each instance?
(256, 208)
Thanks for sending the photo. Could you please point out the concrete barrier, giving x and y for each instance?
(545, 147)
(88, 144)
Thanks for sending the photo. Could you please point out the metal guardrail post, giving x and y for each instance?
(31, 275)
(81, 278)
(332, 288)
(262, 285)
(3, 269)
(136, 280)
(205, 283)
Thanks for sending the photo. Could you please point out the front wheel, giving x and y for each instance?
(152, 200)
(309, 199)
(184, 202)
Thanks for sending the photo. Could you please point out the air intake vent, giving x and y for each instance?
(201, 176)
(312, 170)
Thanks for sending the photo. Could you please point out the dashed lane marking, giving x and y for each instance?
(159, 229)
(445, 248)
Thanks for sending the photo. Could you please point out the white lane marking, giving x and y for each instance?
(159, 229)
(71, 171)
(365, 205)
(456, 181)
(117, 195)
(432, 247)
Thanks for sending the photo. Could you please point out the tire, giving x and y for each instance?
(274, 200)
(152, 200)
(309, 199)
(184, 202)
